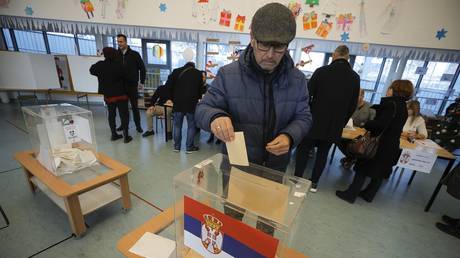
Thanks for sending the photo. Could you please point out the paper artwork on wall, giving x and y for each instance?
(239, 23)
(206, 11)
(312, 3)
(362, 20)
(158, 51)
(390, 16)
(121, 8)
(344, 21)
(88, 8)
(28, 10)
(440, 34)
(365, 47)
(163, 7)
(295, 7)
(307, 51)
(4, 3)
(104, 4)
(329, 9)
(225, 18)
(345, 36)
(310, 20)
(324, 28)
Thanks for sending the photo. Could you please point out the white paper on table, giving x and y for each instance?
(153, 246)
(349, 124)
(421, 161)
(236, 150)
(83, 128)
(427, 143)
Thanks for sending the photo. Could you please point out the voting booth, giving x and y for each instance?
(236, 211)
(62, 137)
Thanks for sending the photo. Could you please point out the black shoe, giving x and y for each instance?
(128, 139)
(448, 229)
(365, 197)
(139, 129)
(218, 141)
(119, 129)
(169, 135)
(115, 137)
(450, 221)
(343, 195)
(148, 133)
(192, 149)
(210, 139)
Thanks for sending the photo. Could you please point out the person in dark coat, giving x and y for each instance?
(334, 92)
(111, 76)
(159, 98)
(135, 76)
(391, 115)
(262, 94)
(186, 88)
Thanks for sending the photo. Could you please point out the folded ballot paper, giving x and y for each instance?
(154, 246)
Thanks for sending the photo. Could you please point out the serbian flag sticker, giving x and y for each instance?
(211, 233)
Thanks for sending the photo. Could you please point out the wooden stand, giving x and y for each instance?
(91, 192)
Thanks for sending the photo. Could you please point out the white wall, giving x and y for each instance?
(415, 24)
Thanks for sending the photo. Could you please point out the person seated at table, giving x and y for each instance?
(362, 114)
(415, 127)
(159, 98)
(111, 77)
(391, 114)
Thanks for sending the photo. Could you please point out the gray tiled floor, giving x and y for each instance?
(394, 225)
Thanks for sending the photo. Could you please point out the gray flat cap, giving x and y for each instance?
(273, 22)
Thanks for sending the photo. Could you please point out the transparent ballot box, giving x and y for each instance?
(62, 137)
(234, 211)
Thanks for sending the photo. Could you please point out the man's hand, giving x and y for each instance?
(280, 145)
(222, 128)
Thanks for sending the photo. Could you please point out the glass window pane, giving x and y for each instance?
(177, 50)
(109, 40)
(317, 60)
(87, 44)
(368, 69)
(157, 53)
(135, 44)
(30, 41)
(410, 71)
(61, 43)
(435, 86)
(8, 39)
(219, 55)
(381, 88)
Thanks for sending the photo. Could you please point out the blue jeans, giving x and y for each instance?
(191, 129)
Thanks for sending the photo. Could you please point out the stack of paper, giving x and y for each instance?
(153, 246)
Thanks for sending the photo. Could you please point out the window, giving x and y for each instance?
(111, 42)
(87, 45)
(30, 41)
(379, 93)
(434, 86)
(368, 69)
(62, 43)
(177, 50)
(413, 70)
(317, 60)
(8, 39)
(219, 55)
(135, 44)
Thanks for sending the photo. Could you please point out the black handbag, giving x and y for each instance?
(365, 146)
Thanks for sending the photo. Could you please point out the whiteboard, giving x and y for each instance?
(82, 80)
(27, 71)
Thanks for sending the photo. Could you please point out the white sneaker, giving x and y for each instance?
(314, 188)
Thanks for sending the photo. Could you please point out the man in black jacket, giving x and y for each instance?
(135, 76)
(186, 87)
(334, 91)
(159, 98)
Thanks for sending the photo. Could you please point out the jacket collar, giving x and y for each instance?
(340, 60)
(128, 49)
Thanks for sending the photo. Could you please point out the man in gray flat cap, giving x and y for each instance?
(262, 94)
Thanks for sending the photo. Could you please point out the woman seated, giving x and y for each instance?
(415, 127)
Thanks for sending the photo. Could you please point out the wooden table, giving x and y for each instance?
(405, 144)
(160, 222)
(82, 197)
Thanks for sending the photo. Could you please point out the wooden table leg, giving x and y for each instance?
(29, 182)
(75, 215)
(125, 195)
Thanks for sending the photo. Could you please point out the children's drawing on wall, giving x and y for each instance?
(344, 21)
(210, 65)
(345, 36)
(362, 20)
(390, 16)
(206, 11)
(239, 23)
(308, 60)
(329, 9)
(295, 7)
(440, 34)
(312, 3)
(88, 8)
(225, 18)
(324, 28)
(29, 10)
(121, 8)
(103, 4)
(62, 69)
(310, 20)
(4, 3)
(163, 7)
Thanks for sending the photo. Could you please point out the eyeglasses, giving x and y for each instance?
(265, 47)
